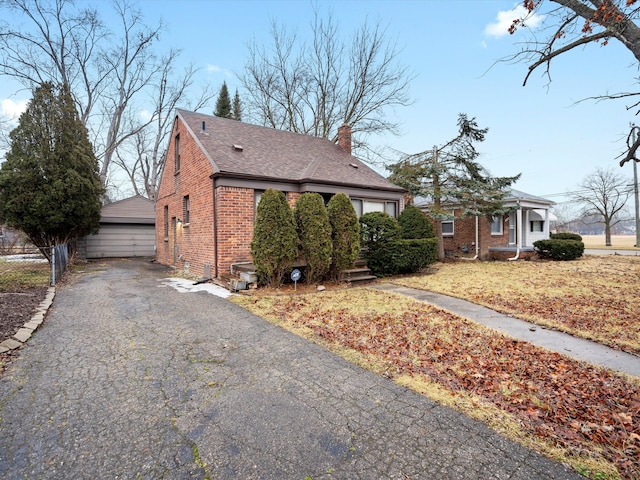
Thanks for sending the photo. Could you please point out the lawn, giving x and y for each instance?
(586, 416)
(595, 297)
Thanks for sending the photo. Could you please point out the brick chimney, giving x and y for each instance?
(344, 138)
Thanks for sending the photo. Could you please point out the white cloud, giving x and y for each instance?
(505, 19)
(13, 109)
(145, 114)
(215, 69)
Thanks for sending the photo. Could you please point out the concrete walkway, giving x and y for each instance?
(129, 378)
(563, 343)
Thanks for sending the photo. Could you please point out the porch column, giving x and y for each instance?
(519, 227)
(547, 226)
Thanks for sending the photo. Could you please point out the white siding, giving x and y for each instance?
(122, 240)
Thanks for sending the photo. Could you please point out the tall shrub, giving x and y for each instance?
(415, 224)
(314, 235)
(275, 241)
(377, 228)
(345, 233)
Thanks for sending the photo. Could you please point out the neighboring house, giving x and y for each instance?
(216, 170)
(505, 236)
(127, 229)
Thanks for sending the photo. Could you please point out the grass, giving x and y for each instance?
(618, 242)
(567, 410)
(594, 297)
(21, 275)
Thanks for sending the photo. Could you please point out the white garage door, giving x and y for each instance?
(122, 240)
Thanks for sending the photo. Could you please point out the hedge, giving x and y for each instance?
(402, 256)
(559, 249)
(565, 236)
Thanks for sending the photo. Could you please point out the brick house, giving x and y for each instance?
(508, 236)
(216, 170)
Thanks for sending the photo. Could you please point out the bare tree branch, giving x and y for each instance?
(314, 88)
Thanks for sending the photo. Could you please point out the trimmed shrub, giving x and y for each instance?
(565, 236)
(314, 235)
(275, 242)
(378, 227)
(415, 224)
(345, 234)
(559, 249)
(402, 256)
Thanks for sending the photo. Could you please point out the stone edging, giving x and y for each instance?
(23, 334)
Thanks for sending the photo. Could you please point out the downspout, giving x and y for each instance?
(518, 233)
(215, 228)
(477, 244)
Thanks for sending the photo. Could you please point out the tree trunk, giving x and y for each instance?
(607, 233)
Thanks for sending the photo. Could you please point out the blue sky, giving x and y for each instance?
(452, 47)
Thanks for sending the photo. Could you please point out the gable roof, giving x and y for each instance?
(512, 198)
(135, 209)
(251, 151)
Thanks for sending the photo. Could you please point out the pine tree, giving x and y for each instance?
(237, 107)
(223, 104)
(275, 242)
(450, 175)
(49, 184)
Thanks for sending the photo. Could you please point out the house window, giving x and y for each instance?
(447, 227)
(357, 206)
(496, 225)
(390, 208)
(177, 145)
(166, 222)
(187, 209)
(257, 196)
(537, 225)
(362, 206)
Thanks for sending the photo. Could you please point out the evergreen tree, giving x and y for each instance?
(345, 233)
(223, 104)
(450, 175)
(314, 234)
(237, 107)
(49, 184)
(275, 242)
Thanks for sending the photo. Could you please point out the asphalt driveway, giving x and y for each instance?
(129, 378)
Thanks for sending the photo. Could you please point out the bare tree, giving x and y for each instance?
(572, 24)
(110, 74)
(315, 88)
(142, 157)
(604, 195)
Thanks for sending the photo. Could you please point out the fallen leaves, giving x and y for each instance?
(584, 409)
(594, 297)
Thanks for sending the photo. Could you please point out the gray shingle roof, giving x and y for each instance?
(275, 154)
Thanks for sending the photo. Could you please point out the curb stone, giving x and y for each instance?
(24, 333)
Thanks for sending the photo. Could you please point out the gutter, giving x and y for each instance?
(518, 234)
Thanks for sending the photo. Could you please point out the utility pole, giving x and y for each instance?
(635, 191)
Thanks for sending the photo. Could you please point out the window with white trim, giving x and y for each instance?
(537, 225)
(447, 228)
(496, 225)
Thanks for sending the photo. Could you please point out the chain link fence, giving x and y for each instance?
(22, 265)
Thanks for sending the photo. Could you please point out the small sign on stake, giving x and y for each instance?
(295, 276)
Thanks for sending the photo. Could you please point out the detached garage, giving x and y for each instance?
(127, 229)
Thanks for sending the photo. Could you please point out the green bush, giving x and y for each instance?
(415, 224)
(559, 249)
(378, 227)
(345, 233)
(402, 256)
(314, 235)
(565, 236)
(275, 242)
